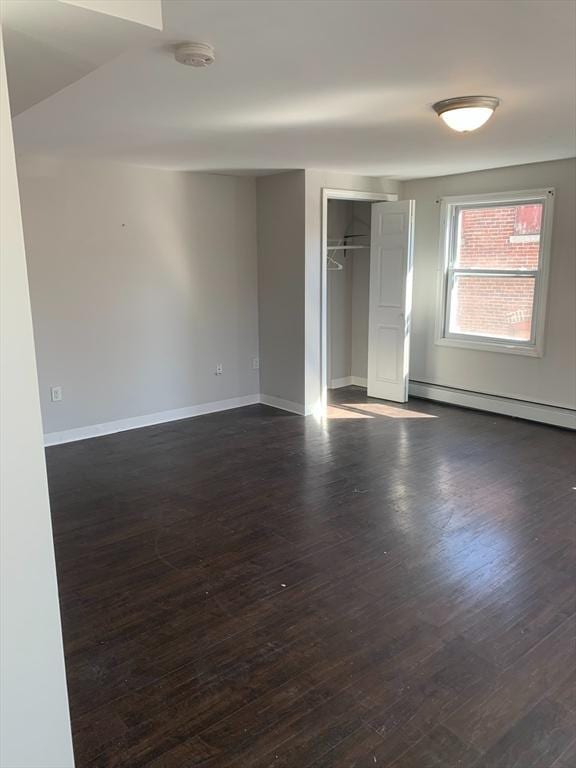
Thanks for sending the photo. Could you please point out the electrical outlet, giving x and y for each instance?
(55, 394)
(219, 369)
(255, 363)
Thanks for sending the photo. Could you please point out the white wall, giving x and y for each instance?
(315, 182)
(281, 286)
(142, 281)
(550, 379)
(34, 719)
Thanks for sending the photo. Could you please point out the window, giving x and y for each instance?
(495, 262)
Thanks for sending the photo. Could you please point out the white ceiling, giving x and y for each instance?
(337, 84)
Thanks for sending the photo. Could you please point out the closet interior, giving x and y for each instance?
(348, 269)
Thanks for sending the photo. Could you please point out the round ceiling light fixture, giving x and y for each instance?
(194, 54)
(466, 113)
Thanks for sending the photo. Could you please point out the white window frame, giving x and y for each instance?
(450, 207)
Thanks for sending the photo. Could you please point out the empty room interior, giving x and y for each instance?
(288, 384)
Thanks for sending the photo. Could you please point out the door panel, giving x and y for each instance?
(387, 353)
(391, 276)
(390, 299)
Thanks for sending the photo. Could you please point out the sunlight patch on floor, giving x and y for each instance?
(371, 410)
(334, 412)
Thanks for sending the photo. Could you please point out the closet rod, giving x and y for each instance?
(346, 247)
(359, 234)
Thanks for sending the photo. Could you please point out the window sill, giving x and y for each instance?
(490, 346)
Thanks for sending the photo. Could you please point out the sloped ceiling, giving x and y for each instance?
(50, 44)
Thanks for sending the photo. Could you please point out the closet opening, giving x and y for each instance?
(366, 291)
(348, 275)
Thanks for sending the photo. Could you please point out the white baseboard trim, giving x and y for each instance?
(284, 405)
(348, 381)
(520, 409)
(546, 414)
(136, 422)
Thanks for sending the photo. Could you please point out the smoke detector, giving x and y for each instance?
(194, 54)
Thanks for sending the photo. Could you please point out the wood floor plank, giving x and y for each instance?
(439, 749)
(565, 693)
(489, 715)
(568, 758)
(540, 737)
(364, 748)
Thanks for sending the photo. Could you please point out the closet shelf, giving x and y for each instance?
(346, 247)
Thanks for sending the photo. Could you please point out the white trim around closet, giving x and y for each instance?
(329, 193)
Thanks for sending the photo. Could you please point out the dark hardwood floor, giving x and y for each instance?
(250, 588)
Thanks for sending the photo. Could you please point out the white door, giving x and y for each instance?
(390, 299)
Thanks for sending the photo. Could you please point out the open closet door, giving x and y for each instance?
(390, 299)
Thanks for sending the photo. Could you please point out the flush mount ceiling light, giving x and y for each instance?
(466, 113)
(194, 54)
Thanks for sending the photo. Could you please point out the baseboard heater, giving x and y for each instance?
(544, 413)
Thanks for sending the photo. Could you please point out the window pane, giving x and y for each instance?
(503, 237)
(492, 306)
